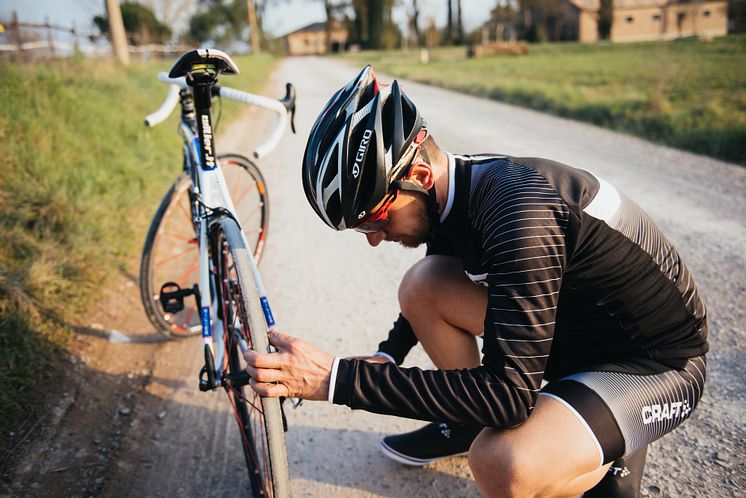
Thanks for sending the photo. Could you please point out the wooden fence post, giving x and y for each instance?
(76, 42)
(50, 38)
(15, 28)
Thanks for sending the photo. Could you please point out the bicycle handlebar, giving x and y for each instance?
(281, 107)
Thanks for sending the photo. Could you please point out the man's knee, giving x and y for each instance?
(500, 467)
(419, 287)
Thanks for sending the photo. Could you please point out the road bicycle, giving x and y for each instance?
(211, 227)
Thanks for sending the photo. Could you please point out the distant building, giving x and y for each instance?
(639, 20)
(311, 39)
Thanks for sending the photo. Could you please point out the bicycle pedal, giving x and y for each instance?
(172, 297)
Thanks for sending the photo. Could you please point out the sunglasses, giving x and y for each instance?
(377, 220)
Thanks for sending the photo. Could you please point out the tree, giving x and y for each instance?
(171, 12)
(502, 23)
(542, 19)
(459, 24)
(605, 19)
(140, 23)
(449, 23)
(415, 21)
(373, 25)
(223, 21)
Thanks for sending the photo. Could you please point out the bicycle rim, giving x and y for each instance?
(259, 420)
(171, 252)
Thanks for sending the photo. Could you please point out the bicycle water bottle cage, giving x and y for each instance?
(204, 64)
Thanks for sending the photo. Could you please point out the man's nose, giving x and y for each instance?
(375, 238)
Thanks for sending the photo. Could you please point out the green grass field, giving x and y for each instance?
(689, 94)
(78, 167)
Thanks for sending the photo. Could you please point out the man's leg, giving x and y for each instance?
(551, 454)
(446, 311)
(623, 478)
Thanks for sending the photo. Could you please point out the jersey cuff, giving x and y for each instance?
(385, 355)
(333, 379)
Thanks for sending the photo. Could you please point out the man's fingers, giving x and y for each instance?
(269, 390)
(265, 375)
(279, 340)
(262, 360)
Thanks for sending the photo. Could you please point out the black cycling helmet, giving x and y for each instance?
(361, 143)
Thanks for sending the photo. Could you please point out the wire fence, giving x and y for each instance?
(27, 41)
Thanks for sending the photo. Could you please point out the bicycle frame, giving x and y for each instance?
(210, 195)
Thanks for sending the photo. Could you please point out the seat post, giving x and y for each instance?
(202, 88)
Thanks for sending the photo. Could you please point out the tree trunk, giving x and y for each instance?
(328, 24)
(605, 19)
(253, 27)
(375, 23)
(460, 25)
(449, 25)
(416, 21)
(116, 30)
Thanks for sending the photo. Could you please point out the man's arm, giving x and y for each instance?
(523, 227)
(523, 222)
(400, 341)
(401, 338)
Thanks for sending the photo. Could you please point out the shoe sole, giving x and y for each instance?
(408, 460)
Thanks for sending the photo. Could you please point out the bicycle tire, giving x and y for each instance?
(176, 202)
(262, 432)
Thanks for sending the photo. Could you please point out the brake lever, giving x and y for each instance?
(289, 102)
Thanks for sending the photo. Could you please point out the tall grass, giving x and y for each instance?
(78, 165)
(688, 94)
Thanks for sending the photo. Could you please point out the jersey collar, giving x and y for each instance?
(451, 186)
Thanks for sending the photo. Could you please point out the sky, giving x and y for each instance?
(282, 16)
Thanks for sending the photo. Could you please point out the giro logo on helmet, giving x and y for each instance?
(361, 152)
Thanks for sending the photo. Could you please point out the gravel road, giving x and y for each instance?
(167, 439)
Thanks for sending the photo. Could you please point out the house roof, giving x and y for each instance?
(594, 5)
(315, 27)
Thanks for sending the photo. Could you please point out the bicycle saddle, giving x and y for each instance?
(204, 61)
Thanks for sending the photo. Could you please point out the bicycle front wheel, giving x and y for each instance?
(244, 326)
(171, 251)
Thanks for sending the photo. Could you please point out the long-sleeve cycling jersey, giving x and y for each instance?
(577, 276)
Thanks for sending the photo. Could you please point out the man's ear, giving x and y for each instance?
(420, 173)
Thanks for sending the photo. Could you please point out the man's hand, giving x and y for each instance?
(297, 370)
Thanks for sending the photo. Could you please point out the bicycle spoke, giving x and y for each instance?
(243, 194)
(185, 238)
(192, 269)
(166, 260)
(187, 214)
(252, 213)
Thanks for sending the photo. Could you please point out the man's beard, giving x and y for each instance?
(422, 225)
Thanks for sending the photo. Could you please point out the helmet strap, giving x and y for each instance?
(430, 199)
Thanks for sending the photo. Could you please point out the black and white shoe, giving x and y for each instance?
(434, 441)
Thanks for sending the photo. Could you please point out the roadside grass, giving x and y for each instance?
(80, 179)
(688, 94)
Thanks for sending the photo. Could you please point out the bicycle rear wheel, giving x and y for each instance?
(171, 250)
(259, 419)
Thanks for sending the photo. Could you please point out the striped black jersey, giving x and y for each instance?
(577, 275)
